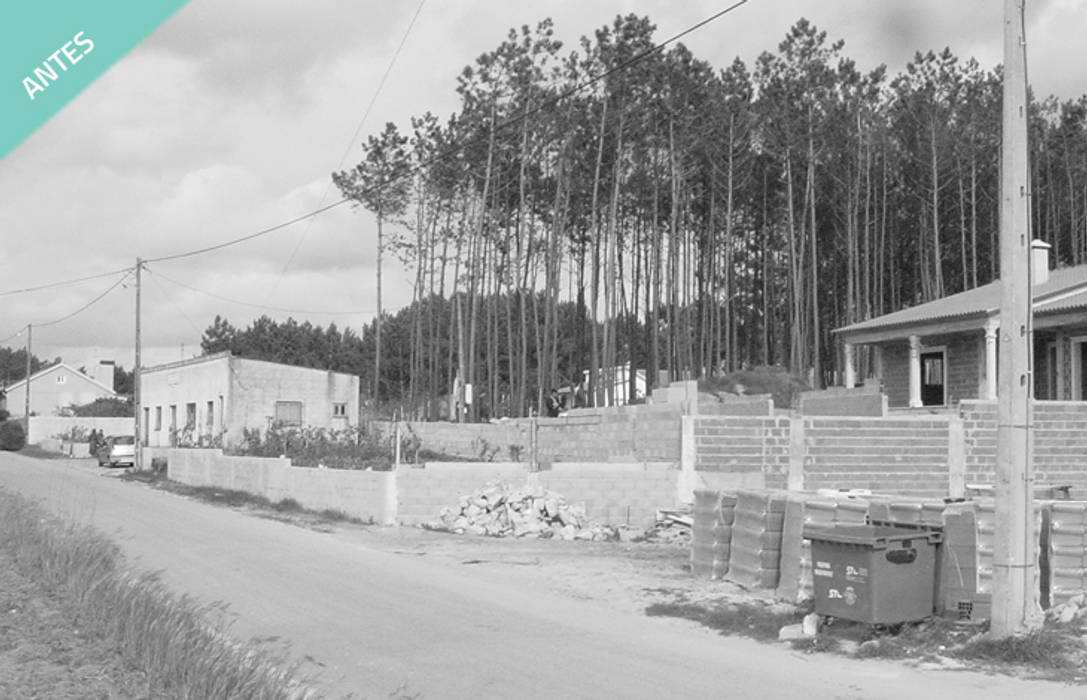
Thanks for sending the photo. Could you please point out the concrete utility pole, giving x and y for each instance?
(1015, 590)
(137, 408)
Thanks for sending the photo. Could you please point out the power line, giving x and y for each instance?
(354, 137)
(89, 304)
(261, 306)
(63, 283)
(263, 232)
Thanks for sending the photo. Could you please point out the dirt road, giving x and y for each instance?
(374, 612)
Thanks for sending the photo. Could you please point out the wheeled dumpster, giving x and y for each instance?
(875, 574)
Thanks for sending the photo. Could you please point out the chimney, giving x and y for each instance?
(104, 374)
(1039, 261)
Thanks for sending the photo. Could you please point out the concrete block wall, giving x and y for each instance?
(422, 491)
(741, 446)
(615, 493)
(360, 494)
(1059, 441)
(904, 455)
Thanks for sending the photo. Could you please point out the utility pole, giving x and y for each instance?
(26, 401)
(1015, 590)
(137, 408)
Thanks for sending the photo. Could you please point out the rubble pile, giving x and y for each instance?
(501, 510)
(1074, 610)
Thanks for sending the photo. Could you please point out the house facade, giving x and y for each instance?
(944, 351)
(212, 400)
(55, 388)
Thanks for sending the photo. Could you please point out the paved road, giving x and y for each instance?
(374, 621)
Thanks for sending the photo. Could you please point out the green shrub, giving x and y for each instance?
(12, 436)
(784, 387)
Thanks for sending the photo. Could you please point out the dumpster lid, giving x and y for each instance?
(874, 536)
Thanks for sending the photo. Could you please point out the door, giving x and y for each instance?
(933, 378)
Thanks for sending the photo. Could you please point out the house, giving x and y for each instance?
(56, 388)
(938, 353)
(212, 400)
(619, 379)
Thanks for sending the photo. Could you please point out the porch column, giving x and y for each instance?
(915, 371)
(991, 328)
(850, 371)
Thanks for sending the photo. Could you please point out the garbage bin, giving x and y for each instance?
(873, 573)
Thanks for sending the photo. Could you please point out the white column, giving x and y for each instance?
(991, 328)
(850, 371)
(915, 371)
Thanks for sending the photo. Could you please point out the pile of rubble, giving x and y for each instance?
(501, 510)
(1073, 610)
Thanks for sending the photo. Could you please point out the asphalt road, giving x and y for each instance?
(371, 621)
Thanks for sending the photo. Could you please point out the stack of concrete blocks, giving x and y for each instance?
(985, 531)
(711, 533)
(1067, 550)
(795, 584)
(755, 555)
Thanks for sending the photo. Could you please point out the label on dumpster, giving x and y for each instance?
(849, 595)
(856, 574)
(822, 568)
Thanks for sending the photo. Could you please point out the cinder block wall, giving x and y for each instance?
(1059, 441)
(365, 495)
(888, 455)
(615, 494)
(421, 492)
(742, 445)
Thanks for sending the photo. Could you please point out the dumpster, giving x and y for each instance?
(873, 573)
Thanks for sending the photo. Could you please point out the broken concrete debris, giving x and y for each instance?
(501, 510)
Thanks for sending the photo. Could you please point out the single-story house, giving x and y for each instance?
(56, 388)
(938, 353)
(212, 400)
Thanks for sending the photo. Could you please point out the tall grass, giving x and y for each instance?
(171, 639)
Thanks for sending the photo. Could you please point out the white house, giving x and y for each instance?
(619, 379)
(212, 400)
(57, 387)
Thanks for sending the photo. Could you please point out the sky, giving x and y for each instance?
(230, 117)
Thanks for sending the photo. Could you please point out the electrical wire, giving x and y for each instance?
(350, 144)
(260, 306)
(89, 304)
(64, 283)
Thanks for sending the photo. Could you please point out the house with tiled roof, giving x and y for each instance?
(938, 353)
(57, 387)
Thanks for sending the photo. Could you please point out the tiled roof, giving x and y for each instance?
(1065, 289)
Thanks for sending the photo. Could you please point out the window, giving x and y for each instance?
(339, 410)
(211, 418)
(288, 412)
(62, 378)
(158, 418)
(190, 416)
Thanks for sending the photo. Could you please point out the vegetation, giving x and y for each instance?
(351, 448)
(104, 407)
(12, 436)
(600, 204)
(170, 640)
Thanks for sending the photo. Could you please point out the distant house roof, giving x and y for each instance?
(1065, 290)
(52, 369)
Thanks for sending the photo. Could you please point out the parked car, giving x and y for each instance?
(118, 450)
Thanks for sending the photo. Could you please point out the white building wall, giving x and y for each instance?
(53, 389)
(239, 393)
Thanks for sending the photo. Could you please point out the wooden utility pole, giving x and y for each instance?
(26, 400)
(1015, 582)
(137, 408)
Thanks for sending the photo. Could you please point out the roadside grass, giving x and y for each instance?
(175, 643)
(37, 452)
(291, 509)
(1053, 652)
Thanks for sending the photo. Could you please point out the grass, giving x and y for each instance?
(171, 640)
(289, 507)
(761, 622)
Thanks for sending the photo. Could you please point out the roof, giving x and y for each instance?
(53, 368)
(231, 358)
(1064, 290)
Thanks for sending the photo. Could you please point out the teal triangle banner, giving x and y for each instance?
(50, 52)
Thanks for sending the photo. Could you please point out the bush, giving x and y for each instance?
(784, 387)
(351, 448)
(12, 436)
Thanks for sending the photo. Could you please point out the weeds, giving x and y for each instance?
(169, 638)
(1045, 647)
(744, 619)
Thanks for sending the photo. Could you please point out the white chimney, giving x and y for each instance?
(104, 373)
(1039, 261)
